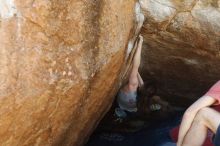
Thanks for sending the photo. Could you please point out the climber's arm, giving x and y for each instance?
(133, 78)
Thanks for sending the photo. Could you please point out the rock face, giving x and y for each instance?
(60, 63)
(182, 46)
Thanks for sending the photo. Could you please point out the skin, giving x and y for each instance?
(135, 79)
(140, 80)
(205, 119)
(189, 126)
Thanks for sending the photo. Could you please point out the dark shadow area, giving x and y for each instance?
(151, 133)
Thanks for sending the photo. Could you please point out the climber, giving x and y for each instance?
(136, 98)
(127, 96)
(199, 117)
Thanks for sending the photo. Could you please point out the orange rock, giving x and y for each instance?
(61, 63)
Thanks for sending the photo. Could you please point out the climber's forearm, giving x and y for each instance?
(137, 56)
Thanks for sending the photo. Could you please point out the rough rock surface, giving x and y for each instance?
(182, 46)
(60, 64)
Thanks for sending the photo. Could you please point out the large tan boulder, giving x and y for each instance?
(182, 46)
(61, 63)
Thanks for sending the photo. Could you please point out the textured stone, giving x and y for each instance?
(60, 63)
(182, 46)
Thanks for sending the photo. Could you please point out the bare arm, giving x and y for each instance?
(190, 114)
(140, 80)
(133, 78)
